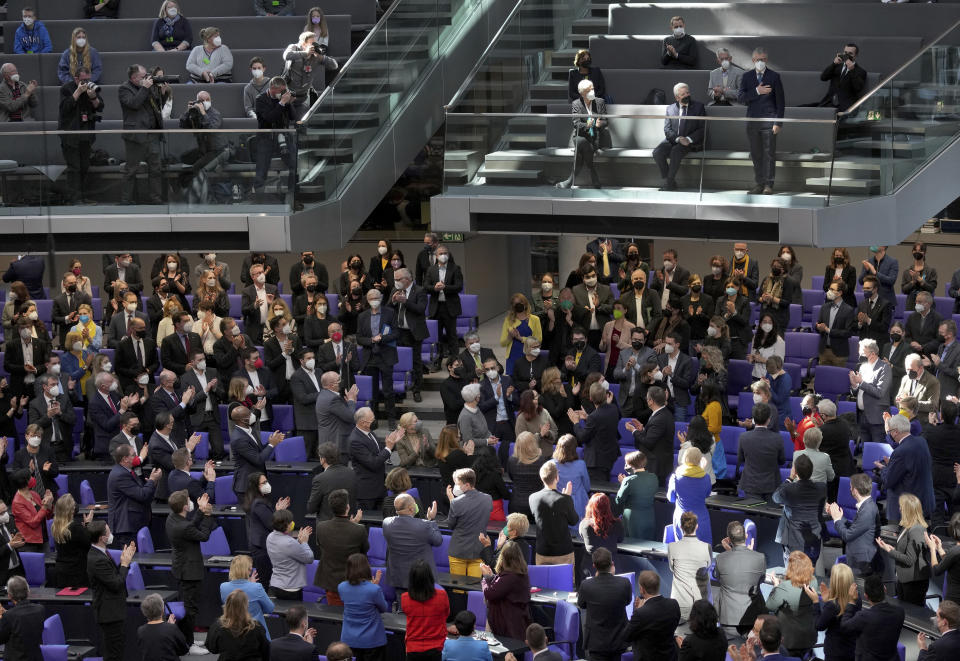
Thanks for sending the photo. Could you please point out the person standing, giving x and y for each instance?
(885, 269)
(444, 282)
(108, 582)
(469, 512)
(762, 92)
(21, 626)
(80, 104)
(141, 113)
(877, 629)
(910, 553)
(947, 647)
(275, 110)
(297, 645)
(363, 602)
(654, 620)
(409, 539)
(409, 303)
(858, 535)
(603, 599)
(554, 513)
(426, 607)
(369, 458)
(803, 502)
(655, 439)
(724, 84)
(759, 456)
(688, 557)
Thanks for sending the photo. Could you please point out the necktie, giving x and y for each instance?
(336, 349)
(112, 405)
(186, 344)
(70, 301)
(606, 264)
(173, 396)
(53, 426)
(136, 345)
(680, 122)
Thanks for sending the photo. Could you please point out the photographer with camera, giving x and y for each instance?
(213, 149)
(300, 59)
(18, 102)
(848, 80)
(80, 110)
(274, 111)
(140, 103)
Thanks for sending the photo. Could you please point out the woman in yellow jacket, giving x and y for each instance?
(519, 323)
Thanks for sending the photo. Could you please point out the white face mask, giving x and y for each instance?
(131, 307)
(33, 441)
(265, 488)
(217, 41)
(190, 506)
(5, 518)
(143, 379)
(249, 390)
(77, 346)
(716, 270)
(55, 369)
(760, 66)
(375, 304)
(492, 374)
(211, 282)
(109, 539)
(474, 348)
(114, 387)
(211, 257)
(457, 491)
(260, 279)
(15, 78)
(206, 105)
(54, 390)
(398, 285)
(712, 331)
(546, 286)
(766, 328)
(33, 316)
(667, 265)
(28, 21)
(787, 257)
(108, 367)
(535, 352)
(831, 295)
(382, 251)
(920, 307)
(256, 73)
(739, 254)
(724, 64)
(757, 398)
(656, 374)
(668, 349)
(443, 257)
(235, 331)
(310, 364)
(590, 282)
(81, 42)
(188, 327)
(286, 329)
(172, 12)
(201, 365)
(320, 308)
(591, 95)
(678, 32)
(171, 266)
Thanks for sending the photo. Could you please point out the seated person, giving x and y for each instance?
(590, 132)
(32, 35)
(681, 135)
(583, 70)
(679, 49)
(211, 61)
(171, 31)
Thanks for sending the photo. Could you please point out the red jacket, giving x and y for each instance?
(809, 422)
(29, 516)
(426, 621)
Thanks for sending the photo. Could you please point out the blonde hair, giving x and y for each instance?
(166, 4)
(841, 578)
(518, 522)
(70, 338)
(207, 33)
(713, 358)
(526, 449)
(240, 568)
(799, 569)
(406, 419)
(551, 382)
(75, 58)
(911, 511)
(206, 275)
(511, 315)
(692, 456)
(236, 615)
(286, 309)
(63, 513)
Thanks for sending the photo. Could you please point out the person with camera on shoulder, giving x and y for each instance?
(81, 107)
(848, 80)
(274, 110)
(213, 149)
(140, 104)
(300, 59)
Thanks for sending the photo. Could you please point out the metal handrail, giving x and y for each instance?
(483, 58)
(381, 25)
(707, 118)
(898, 71)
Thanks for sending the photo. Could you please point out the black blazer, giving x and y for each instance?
(600, 437)
(108, 581)
(948, 647)
(836, 436)
(686, 58)
(291, 648)
(656, 441)
(896, 358)
(920, 329)
(651, 629)
(128, 368)
(21, 632)
(836, 338)
(61, 309)
(414, 309)
(6, 532)
(185, 535)
(13, 363)
(691, 128)
(846, 87)
(604, 600)
(276, 360)
(250, 455)
(304, 396)
(849, 278)
(159, 401)
(452, 399)
(599, 137)
(574, 77)
(251, 313)
(739, 323)
(452, 286)
(173, 355)
(368, 460)
(266, 380)
(327, 362)
(131, 275)
(334, 477)
(878, 328)
(198, 404)
(179, 480)
(877, 629)
(385, 351)
(37, 414)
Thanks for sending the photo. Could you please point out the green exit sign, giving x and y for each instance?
(447, 237)
(873, 115)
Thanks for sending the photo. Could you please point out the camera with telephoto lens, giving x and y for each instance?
(320, 49)
(164, 80)
(93, 87)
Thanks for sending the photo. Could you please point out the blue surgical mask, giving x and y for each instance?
(84, 318)
(731, 291)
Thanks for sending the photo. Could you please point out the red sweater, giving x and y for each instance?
(426, 621)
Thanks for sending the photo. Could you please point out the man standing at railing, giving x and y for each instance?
(80, 108)
(301, 58)
(762, 92)
(274, 110)
(141, 113)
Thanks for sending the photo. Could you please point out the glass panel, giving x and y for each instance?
(180, 171)
(482, 159)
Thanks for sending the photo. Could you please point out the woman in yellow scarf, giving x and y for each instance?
(689, 487)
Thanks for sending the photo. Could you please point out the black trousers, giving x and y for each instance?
(369, 503)
(148, 152)
(264, 147)
(261, 562)
(289, 595)
(597, 474)
(190, 596)
(446, 329)
(406, 339)
(371, 654)
(76, 156)
(211, 425)
(310, 441)
(506, 432)
(763, 151)
(583, 151)
(914, 592)
(382, 386)
(429, 655)
(673, 153)
(111, 647)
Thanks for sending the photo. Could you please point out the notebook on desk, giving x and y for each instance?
(71, 592)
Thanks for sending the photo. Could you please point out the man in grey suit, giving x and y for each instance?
(53, 411)
(335, 413)
(335, 476)
(859, 535)
(946, 359)
(304, 389)
(724, 82)
(627, 372)
(409, 539)
(803, 501)
(141, 111)
(740, 570)
(871, 382)
(760, 456)
(120, 321)
(469, 512)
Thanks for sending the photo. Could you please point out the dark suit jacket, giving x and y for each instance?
(269, 262)
(651, 629)
(488, 402)
(691, 128)
(14, 366)
(61, 310)
(64, 422)
(581, 305)
(590, 361)
(554, 513)
(335, 477)
(650, 311)
(846, 87)
(801, 522)
(117, 328)
(198, 404)
(128, 499)
(836, 435)
(251, 313)
(266, 380)
(128, 367)
(108, 581)
(6, 532)
(45, 453)
(678, 283)
(226, 355)
(858, 535)
(683, 377)
(452, 399)
(409, 539)
(250, 456)
(160, 401)
(173, 355)
(686, 47)
(452, 286)
(604, 600)
(179, 480)
(337, 539)
(185, 535)
(762, 105)
(275, 359)
(945, 649)
(656, 441)
(106, 423)
(131, 275)
(383, 352)
(335, 422)
(160, 454)
(120, 439)
(599, 437)
(947, 370)
(599, 137)
(327, 362)
(291, 648)
(29, 270)
(760, 456)
(879, 325)
(470, 364)
(368, 463)
(836, 337)
(21, 632)
(304, 396)
(415, 310)
(923, 330)
(909, 471)
(877, 629)
(599, 86)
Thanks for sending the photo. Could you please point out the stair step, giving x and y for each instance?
(844, 183)
(455, 176)
(589, 26)
(508, 175)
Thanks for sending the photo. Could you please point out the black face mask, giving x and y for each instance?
(695, 288)
(135, 430)
(806, 410)
(941, 338)
(308, 261)
(355, 293)
(776, 272)
(838, 260)
(637, 345)
(912, 374)
(458, 372)
(355, 266)
(311, 288)
(638, 285)
(579, 345)
(586, 62)
(895, 337)
(635, 256)
(71, 288)
(518, 307)
(140, 333)
(667, 312)
(918, 256)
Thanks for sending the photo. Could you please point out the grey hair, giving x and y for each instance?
(678, 87)
(584, 85)
(898, 423)
(470, 392)
(827, 408)
(722, 51)
(361, 413)
(152, 607)
(17, 588)
(472, 334)
(869, 345)
(759, 50)
(926, 296)
(812, 438)
(100, 378)
(401, 273)
(911, 359)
